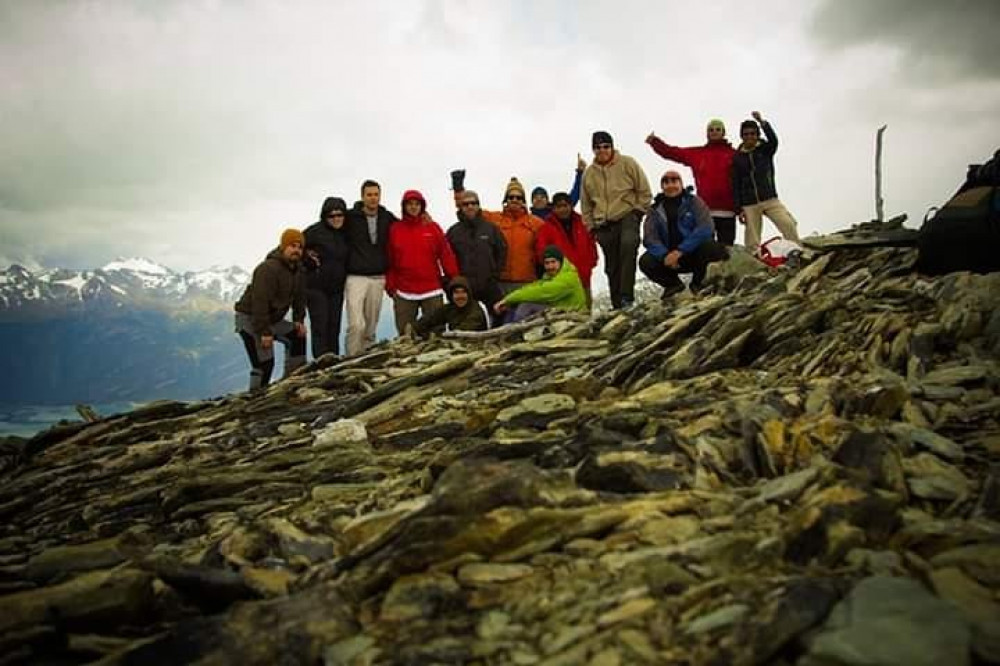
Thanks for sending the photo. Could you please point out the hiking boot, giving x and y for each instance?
(670, 292)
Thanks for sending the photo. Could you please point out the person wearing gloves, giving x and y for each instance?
(419, 257)
(677, 235)
(325, 261)
(711, 164)
(559, 288)
(277, 285)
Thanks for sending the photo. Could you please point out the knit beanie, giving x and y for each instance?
(561, 196)
(539, 190)
(513, 186)
(749, 124)
(715, 122)
(601, 137)
(289, 236)
(671, 174)
(552, 252)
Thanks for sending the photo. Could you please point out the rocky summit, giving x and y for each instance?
(797, 466)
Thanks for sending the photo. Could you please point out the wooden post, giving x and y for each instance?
(879, 202)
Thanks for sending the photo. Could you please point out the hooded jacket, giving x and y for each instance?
(366, 258)
(711, 164)
(694, 222)
(578, 246)
(418, 253)
(753, 171)
(611, 191)
(472, 317)
(563, 291)
(481, 252)
(276, 285)
(331, 246)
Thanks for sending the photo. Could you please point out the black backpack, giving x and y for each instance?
(964, 234)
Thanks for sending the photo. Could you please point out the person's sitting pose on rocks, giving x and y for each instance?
(677, 235)
(462, 313)
(754, 191)
(278, 283)
(560, 288)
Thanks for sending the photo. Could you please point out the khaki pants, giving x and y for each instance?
(406, 311)
(775, 211)
(363, 296)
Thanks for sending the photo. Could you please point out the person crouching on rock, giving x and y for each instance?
(560, 288)
(462, 313)
(677, 235)
(278, 283)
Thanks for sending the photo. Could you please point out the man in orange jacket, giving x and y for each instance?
(519, 229)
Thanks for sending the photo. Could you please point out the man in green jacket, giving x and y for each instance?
(560, 288)
(278, 284)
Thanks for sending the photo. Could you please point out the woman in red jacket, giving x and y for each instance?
(711, 165)
(420, 258)
(564, 228)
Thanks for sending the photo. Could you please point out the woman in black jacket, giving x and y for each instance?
(326, 265)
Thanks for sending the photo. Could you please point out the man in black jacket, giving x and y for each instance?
(754, 192)
(276, 286)
(480, 249)
(367, 237)
(325, 262)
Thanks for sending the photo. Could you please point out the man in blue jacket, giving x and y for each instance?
(677, 235)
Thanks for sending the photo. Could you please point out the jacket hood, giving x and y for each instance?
(331, 204)
(412, 195)
(459, 281)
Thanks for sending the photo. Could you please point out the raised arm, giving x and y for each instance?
(681, 155)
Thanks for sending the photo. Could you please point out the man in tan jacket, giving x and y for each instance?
(615, 198)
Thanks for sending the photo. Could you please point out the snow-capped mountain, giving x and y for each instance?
(119, 283)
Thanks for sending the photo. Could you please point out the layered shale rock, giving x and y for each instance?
(797, 466)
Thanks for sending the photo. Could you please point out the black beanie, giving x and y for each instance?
(552, 252)
(561, 196)
(601, 137)
(749, 124)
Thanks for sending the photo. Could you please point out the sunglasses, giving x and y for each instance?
(515, 197)
(335, 215)
(603, 146)
(671, 180)
(749, 133)
(470, 203)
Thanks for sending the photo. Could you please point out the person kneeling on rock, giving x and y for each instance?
(278, 284)
(462, 313)
(560, 288)
(677, 235)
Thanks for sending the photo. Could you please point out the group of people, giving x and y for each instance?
(497, 267)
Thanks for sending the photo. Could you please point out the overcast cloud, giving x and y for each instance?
(193, 132)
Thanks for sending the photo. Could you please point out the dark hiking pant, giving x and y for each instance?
(325, 312)
(408, 311)
(619, 241)
(695, 263)
(262, 360)
(725, 230)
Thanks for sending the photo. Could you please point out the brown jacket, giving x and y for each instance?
(276, 285)
(613, 190)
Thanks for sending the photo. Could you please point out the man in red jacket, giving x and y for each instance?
(419, 254)
(564, 228)
(711, 164)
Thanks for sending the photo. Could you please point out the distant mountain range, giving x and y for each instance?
(136, 283)
(130, 331)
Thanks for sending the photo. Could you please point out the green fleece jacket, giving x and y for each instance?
(562, 291)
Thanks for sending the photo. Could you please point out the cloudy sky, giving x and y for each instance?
(192, 132)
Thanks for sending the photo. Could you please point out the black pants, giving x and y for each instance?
(695, 263)
(325, 312)
(725, 230)
(261, 359)
(619, 241)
